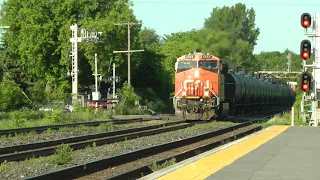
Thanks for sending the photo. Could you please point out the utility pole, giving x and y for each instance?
(114, 81)
(289, 55)
(85, 36)
(96, 94)
(129, 25)
(114, 86)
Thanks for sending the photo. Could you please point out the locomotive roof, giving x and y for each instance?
(197, 56)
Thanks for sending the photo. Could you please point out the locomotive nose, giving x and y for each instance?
(196, 73)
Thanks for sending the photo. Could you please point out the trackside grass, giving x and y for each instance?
(31, 118)
(284, 119)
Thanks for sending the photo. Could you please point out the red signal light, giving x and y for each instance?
(305, 49)
(305, 20)
(305, 87)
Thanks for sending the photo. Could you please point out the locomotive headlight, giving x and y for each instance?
(184, 93)
(206, 93)
(196, 73)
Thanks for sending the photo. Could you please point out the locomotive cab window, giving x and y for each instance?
(186, 65)
(209, 65)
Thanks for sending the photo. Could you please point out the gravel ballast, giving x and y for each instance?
(33, 137)
(117, 170)
(32, 167)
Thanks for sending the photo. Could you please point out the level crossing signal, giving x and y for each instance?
(305, 20)
(305, 49)
(305, 82)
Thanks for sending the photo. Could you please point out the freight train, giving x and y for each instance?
(208, 87)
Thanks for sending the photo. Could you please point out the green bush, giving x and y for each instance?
(4, 115)
(126, 110)
(127, 93)
(11, 95)
(63, 154)
(284, 119)
(159, 106)
(28, 114)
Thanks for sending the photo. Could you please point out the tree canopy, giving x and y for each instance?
(36, 49)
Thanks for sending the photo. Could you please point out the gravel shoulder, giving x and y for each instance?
(117, 170)
(33, 137)
(32, 167)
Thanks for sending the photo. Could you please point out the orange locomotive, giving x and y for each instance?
(207, 86)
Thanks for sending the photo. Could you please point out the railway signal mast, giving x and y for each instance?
(85, 36)
(309, 85)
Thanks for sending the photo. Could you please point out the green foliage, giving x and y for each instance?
(26, 114)
(103, 127)
(3, 166)
(230, 33)
(176, 45)
(36, 53)
(149, 39)
(128, 94)
(284, 119)
(127, 110)
(278, 61)
(36, 47)
(236, 19)
(55, 116)
(19, 119)
(158, 105)
(11, 95)
(155, 167)
(63, 154)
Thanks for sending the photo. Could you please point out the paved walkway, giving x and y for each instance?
(292, 155)
(278, 153)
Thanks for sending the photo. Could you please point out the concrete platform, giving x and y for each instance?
(276, 153)
(292, 155)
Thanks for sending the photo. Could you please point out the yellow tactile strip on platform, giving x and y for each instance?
(208, 165)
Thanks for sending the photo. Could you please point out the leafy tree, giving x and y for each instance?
(36, 47)
(11, 95)
(235, 19)
(150, 79)
(149, 39)
(277, 61)
(127, 92)
(176, 45)
(235, 33)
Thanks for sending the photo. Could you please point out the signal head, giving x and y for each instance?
(305, 20)
(305, 82)
(305, 49)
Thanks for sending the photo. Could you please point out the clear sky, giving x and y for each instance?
(279, 21)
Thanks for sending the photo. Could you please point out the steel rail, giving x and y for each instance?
(145, 170)
(95, 166)
(40, 129)
(80, 142)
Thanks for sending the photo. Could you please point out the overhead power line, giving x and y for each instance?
(225, 4)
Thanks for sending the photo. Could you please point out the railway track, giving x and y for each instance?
(40, 129)
(22, 152)
(132, 165)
